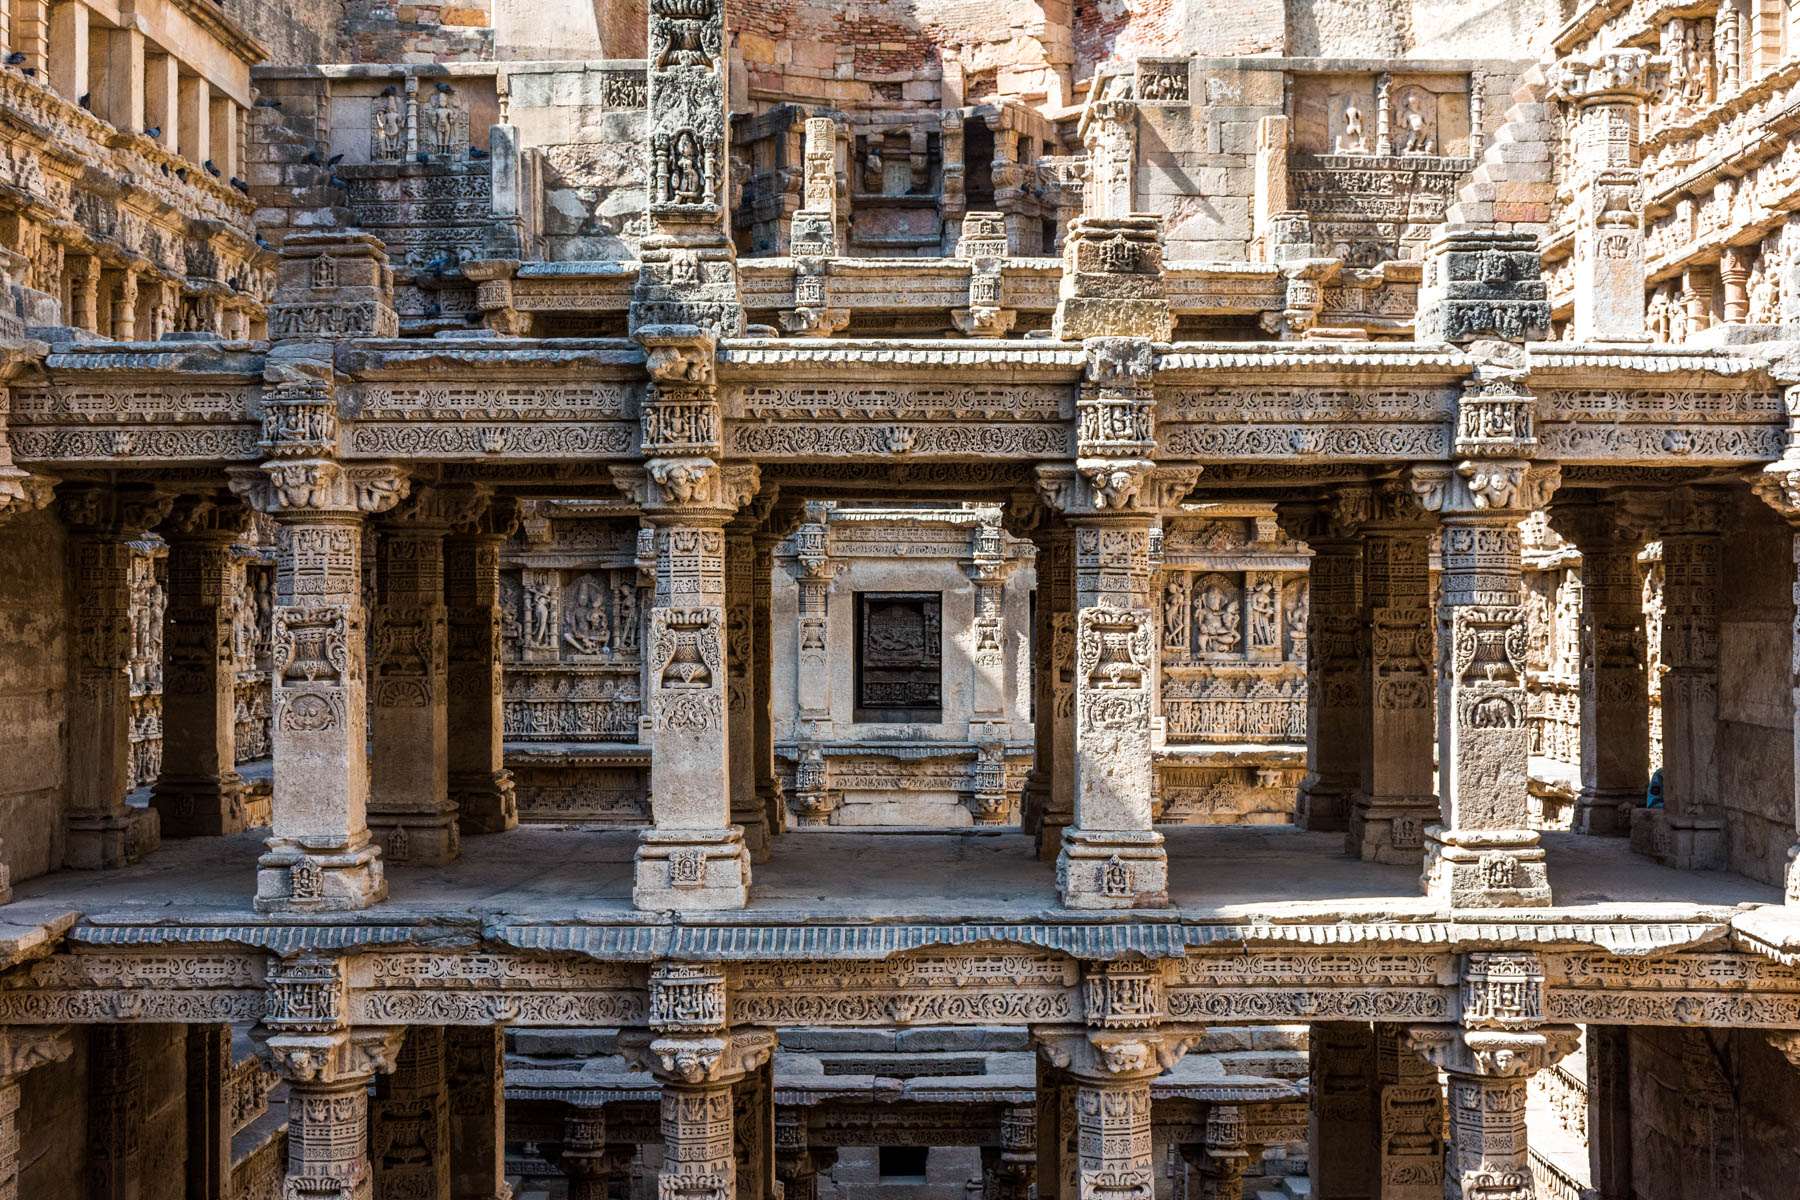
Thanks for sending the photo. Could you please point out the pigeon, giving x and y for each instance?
(435, 310)
(442, 86)
(477, 152)
(210, 169)
(268, 104)
(334, 160)
(240, 185)
(16, 58)
(232, 283)
(390, 91)
(165, 168)
(424, 157)
(155, 131)
(30, 72)
(436, 266)
(263, 242)
(340, 183)
(472, 316)
(85, 97)
(181, 174)
(312, 158)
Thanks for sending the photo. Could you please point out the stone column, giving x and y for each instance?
(328, 1076)
(199, 792)
(1056, 1157)
(1410, 1110)
(583, 1157)
(1489, 1060)
(320, 855)
(762, 692)
(698, 1059)
(103, 831)
(1055, 731)
(1342, 1127)
(1604, 90)
(753, 1132)
(1779, 487)
(692, 857)
(481, 788)
(22, 1048)
(409, 1122)
(747, 811)
(208, 1116)
(115, 1104)
(1013, 1173)
(1482, 854)
(1397, 799)
(1334, 684)
(1615, 671)
(475, 1066)
(410, 810)
(1219, 1162)
(1609, 1111)
(1692, 807)
(989, 568)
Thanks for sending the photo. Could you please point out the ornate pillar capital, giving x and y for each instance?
(24, 1048)
(295, 489)
(342, 1056)
(1609, 77)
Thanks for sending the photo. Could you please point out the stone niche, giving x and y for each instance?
(1375, 160)
(572, 605)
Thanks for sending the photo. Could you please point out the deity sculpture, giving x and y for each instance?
(388, 132)
(1413, 123)
(1264, 630)
(1352, 140)
(1216, 619)
(585, 628)
(537, 617)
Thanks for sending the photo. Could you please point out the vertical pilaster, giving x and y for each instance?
(410, 1122)
(475, 1069)
(988, 567)
(1779, 487)
(1055, 733)
(1483, 854)
(1609, 1111)
(328, 1077)
(104, 832)
(813, 569)
(1342, 1129)
(199, 792)
(1057, 1164)
(1692, 803)
(1012, 1169)
(481, 788)
(583, 1157)
(1397, 797)
(208, 1117)
(1334, 683)
(747, 811)
(22, 1048)
(1605, 92)
(1220, 1160)
(115, 1112)
(410, 810)
(1410, 1111)
(1615, 671)
(762, 690)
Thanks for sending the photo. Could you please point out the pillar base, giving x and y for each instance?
(1390, 829)
(1696, 845)
(1485, 868)
(292, 878)
(1322, 807)
(1112, 869)
(1050, 830)
(103, 842)
(1604, 813)
(485, 802)
(691, 870)
(417, 839)
(755, 827)
(200, 807)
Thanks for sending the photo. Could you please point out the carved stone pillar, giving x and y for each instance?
(698, 1059)
(208, 1114)
(1334, 709)
(475, 1066)
(410, 809)
(1490, 1060)
(583, 1157)
(797, 1162)
(199, 792)
(753, 1132)
(1483, 853)
(1012, 1168)
(813, 569)
(103, 831)
(1057, 1161)
(1692, 804)
(1615, 671)
(481, 788)
(1397, 798)
(762, 691)
(1734, 280)
(410, 1121)
(1410, 1111)
(328, 1076)
(1779, 487)
(1609, 1111)
(692, 857)
(747, 811)
(320, 855)
(1342, 1126)
(22, 1048)
(1124, 1042)
(1219, 1162)
(1055, 730)
(115, 1111)
(1605, 91)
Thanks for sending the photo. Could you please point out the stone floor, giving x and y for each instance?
(1216, 873)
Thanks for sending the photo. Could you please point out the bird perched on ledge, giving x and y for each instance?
(83, 101)
(16, 59)
(155, 131)
(210, 169)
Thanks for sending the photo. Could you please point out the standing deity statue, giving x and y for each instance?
(1264, 630)
(1352, 140)
(387, 134)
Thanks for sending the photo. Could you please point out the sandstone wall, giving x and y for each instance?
(1756, 712)
(1713, 1116)
(53, 1122)
(34, 692)
(293, 31)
